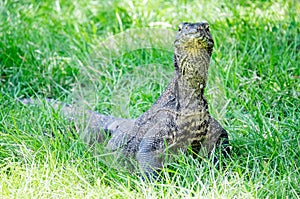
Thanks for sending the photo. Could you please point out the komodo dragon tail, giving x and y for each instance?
(94, 125)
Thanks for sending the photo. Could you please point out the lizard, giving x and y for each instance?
(179, 118)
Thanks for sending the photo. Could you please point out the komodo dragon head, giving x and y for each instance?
(193, 49)
(192, 37)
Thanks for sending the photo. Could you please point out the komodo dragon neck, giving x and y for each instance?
(190, 78)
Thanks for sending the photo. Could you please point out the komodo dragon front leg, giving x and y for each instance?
(158, 141)
(152, 152)
(150, 157)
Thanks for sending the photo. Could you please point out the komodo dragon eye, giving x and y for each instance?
(181, 26)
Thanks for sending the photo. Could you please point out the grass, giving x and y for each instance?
(76, 52)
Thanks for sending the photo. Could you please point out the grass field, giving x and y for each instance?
(116, 58)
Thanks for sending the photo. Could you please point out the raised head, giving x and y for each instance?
(192, 37)
(193, 49)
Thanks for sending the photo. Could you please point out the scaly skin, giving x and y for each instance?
(178, 119)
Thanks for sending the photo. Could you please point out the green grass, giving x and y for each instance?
(76, 52)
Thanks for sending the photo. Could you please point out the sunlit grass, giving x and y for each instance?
(67, 50)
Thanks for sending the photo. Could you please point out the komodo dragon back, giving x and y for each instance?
(179, 118)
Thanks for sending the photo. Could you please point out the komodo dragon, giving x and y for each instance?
(179, 118)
